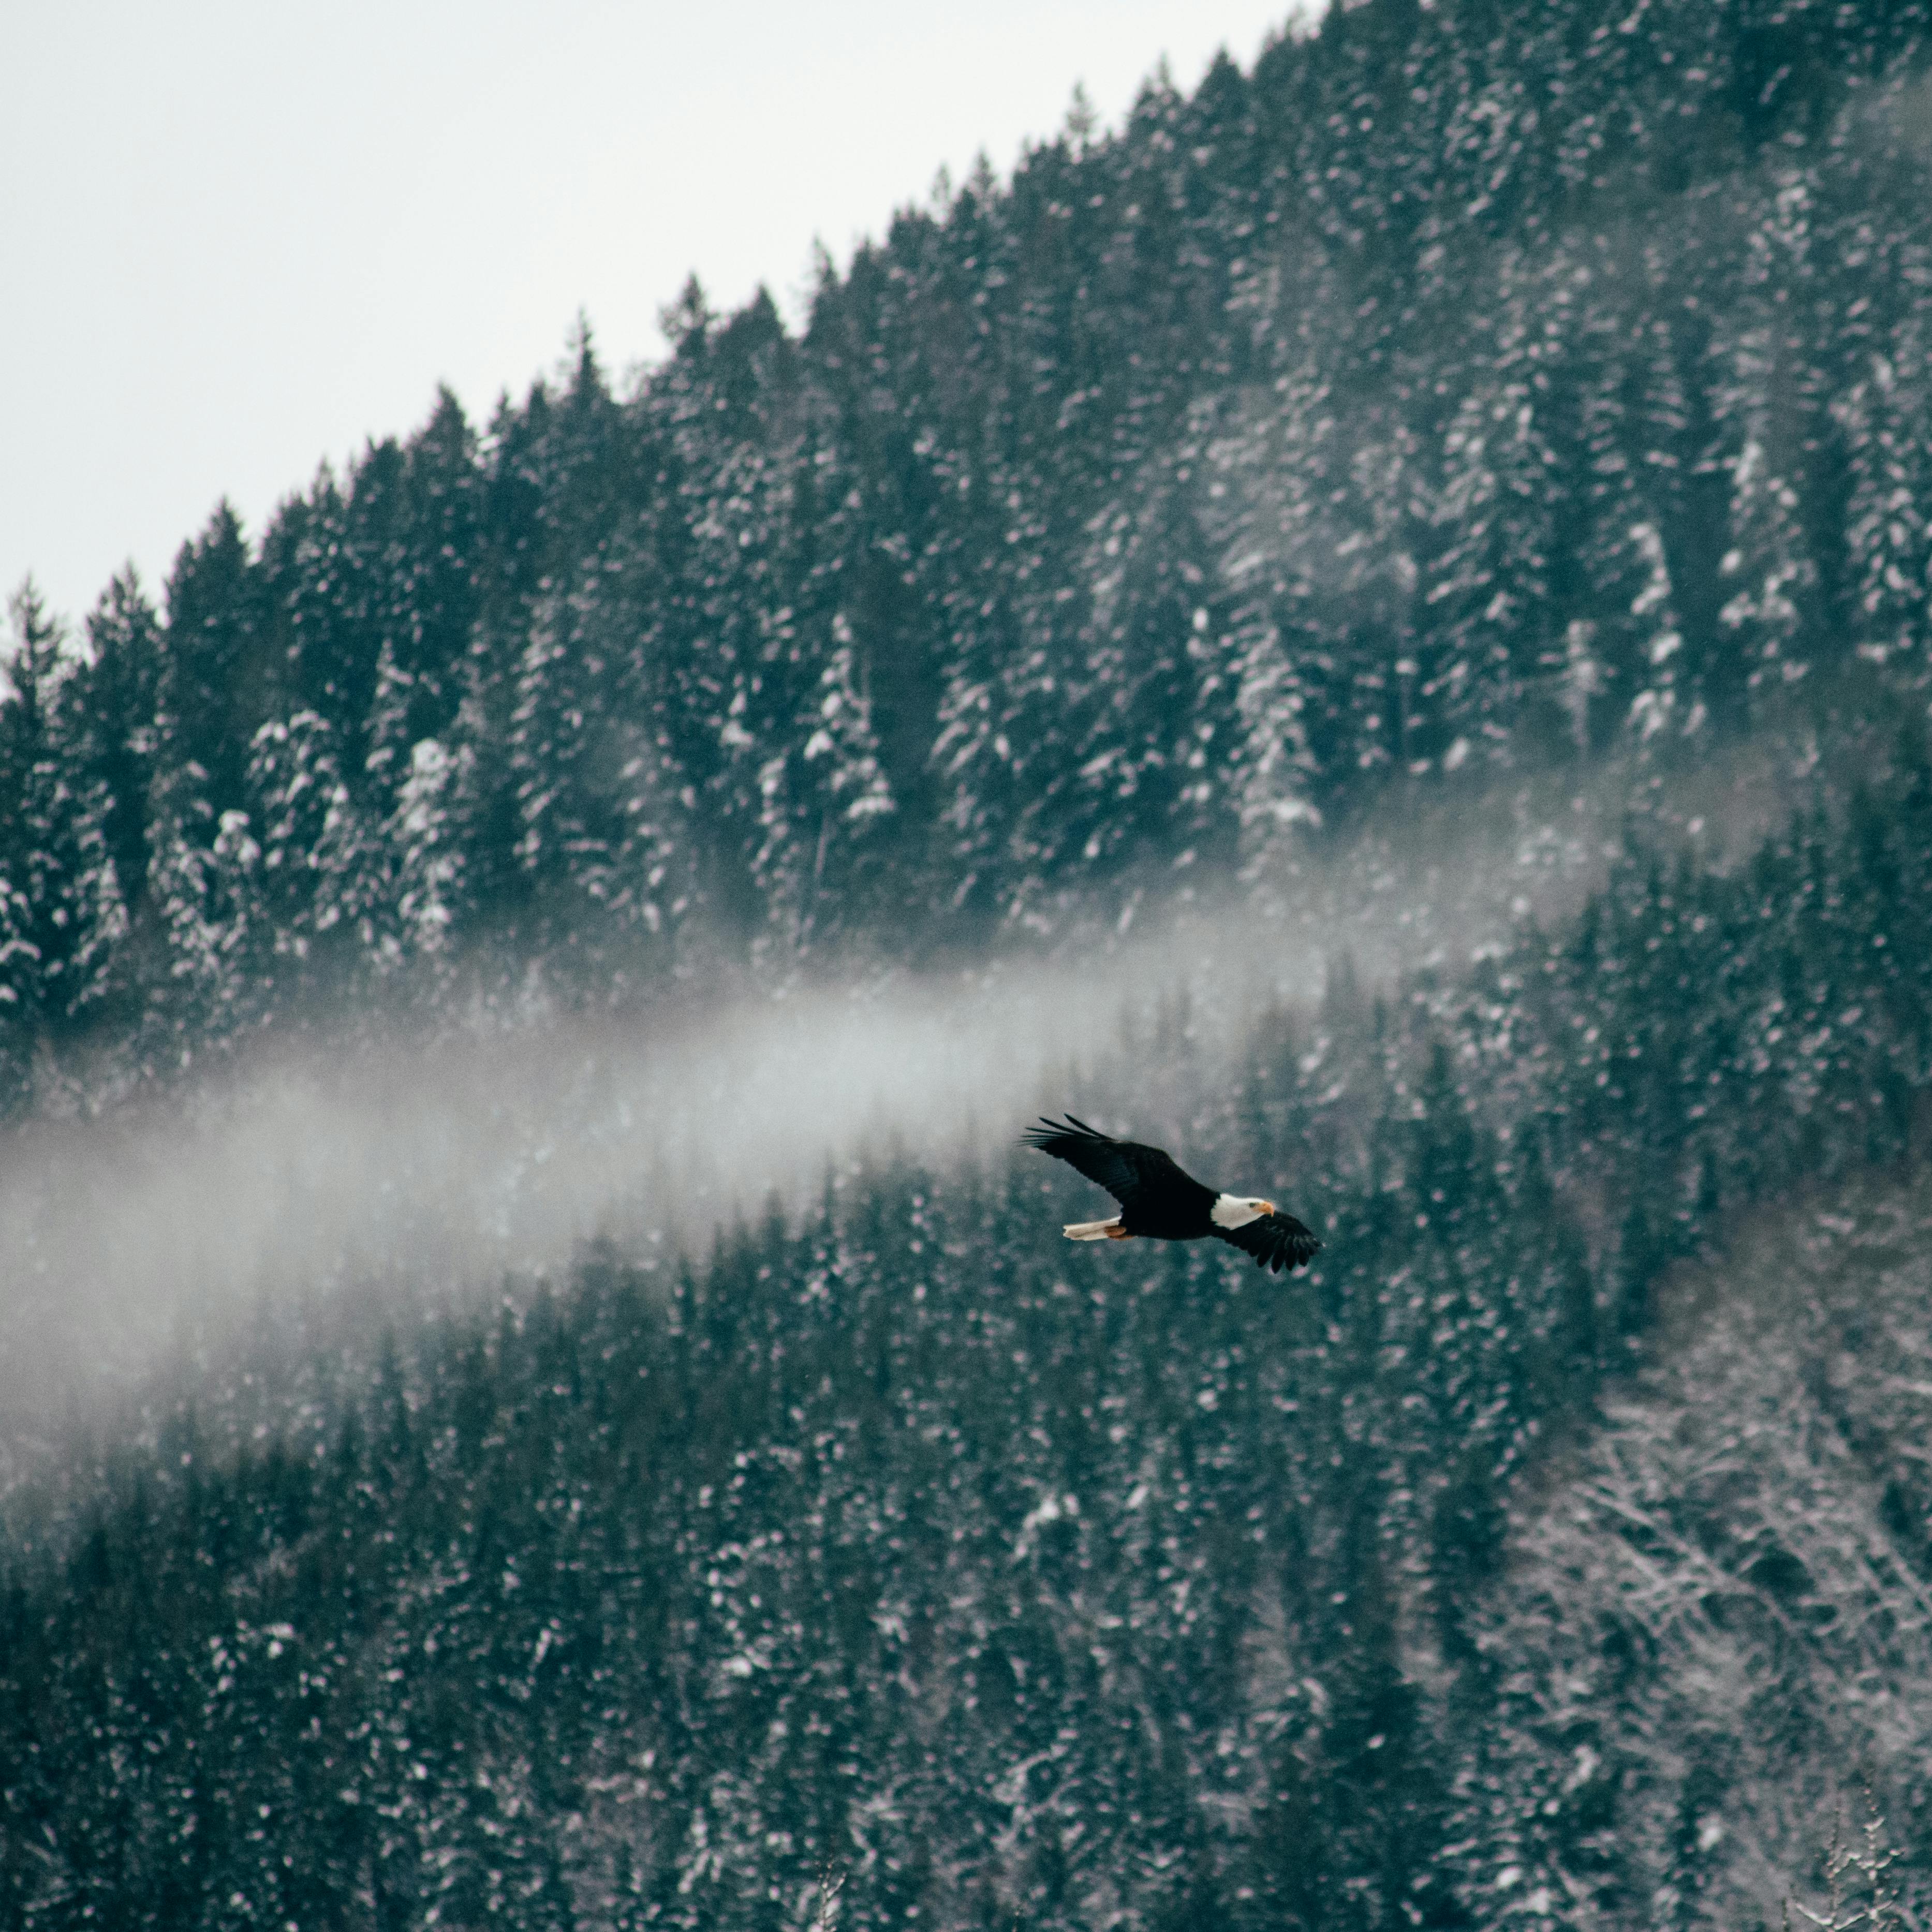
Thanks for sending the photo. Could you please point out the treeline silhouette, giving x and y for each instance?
(1468, 385)
(1002, 1580)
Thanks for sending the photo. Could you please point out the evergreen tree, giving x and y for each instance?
(211, 693)
(117, 705)
(66, 908)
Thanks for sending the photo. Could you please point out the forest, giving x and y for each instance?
(1464, 387)
(1470, 400)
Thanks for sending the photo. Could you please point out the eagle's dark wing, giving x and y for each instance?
(1126, 1169)
(1276, 1241)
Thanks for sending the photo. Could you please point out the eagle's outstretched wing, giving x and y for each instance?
(1126, 1169)
(1276, 1241)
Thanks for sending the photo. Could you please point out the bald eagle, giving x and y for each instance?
(1160, 1203)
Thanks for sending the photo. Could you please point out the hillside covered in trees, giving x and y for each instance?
(1466, 387)
(897, 1541)
(1469, 393)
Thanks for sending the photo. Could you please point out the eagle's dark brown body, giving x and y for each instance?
(1160, 1202)
(1179, 1213)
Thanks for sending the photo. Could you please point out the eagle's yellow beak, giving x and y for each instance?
(1269, 1207)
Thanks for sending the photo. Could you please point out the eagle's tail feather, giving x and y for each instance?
(1095, 1230)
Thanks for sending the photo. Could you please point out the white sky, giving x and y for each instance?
(239, 237)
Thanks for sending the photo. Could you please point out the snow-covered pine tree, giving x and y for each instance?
(605, 837)
(117, 705)
(1151, 711)
(204, 884)
(416, 766)
(213, 688)
(1484, 643)
(429, 895)
(67, 908)
(822, 798)
(1264, 511)
(322, 867)
(1888, 537)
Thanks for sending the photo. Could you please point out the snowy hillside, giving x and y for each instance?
(1370, 626)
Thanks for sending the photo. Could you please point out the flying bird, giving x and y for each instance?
(1160, 1203)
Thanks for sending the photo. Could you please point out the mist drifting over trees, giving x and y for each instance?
(1471, 400)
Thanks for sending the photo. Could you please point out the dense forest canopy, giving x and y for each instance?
(1468, 392)
(891, 1541)
(1465, 387)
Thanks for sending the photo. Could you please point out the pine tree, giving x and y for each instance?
(67, 908)
(322, 870)
(211, 694)
(205, 884)
(430, 895)
(119, 701)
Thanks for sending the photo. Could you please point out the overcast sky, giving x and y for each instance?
(238, 238)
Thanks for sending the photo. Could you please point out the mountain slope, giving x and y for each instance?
(1011, 1578)
(1466, 388)
(1713, 1644)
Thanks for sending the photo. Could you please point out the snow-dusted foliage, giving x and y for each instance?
(900, 1550)
(64, 911)
(205, 887)
(321, 867)
(1459, 390)
(1471, 388)
(427, 859)
(1718, 1639)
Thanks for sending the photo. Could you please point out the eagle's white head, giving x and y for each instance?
(1237, 1211)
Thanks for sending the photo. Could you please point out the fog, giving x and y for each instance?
(436, 1167)
(402, 1169)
